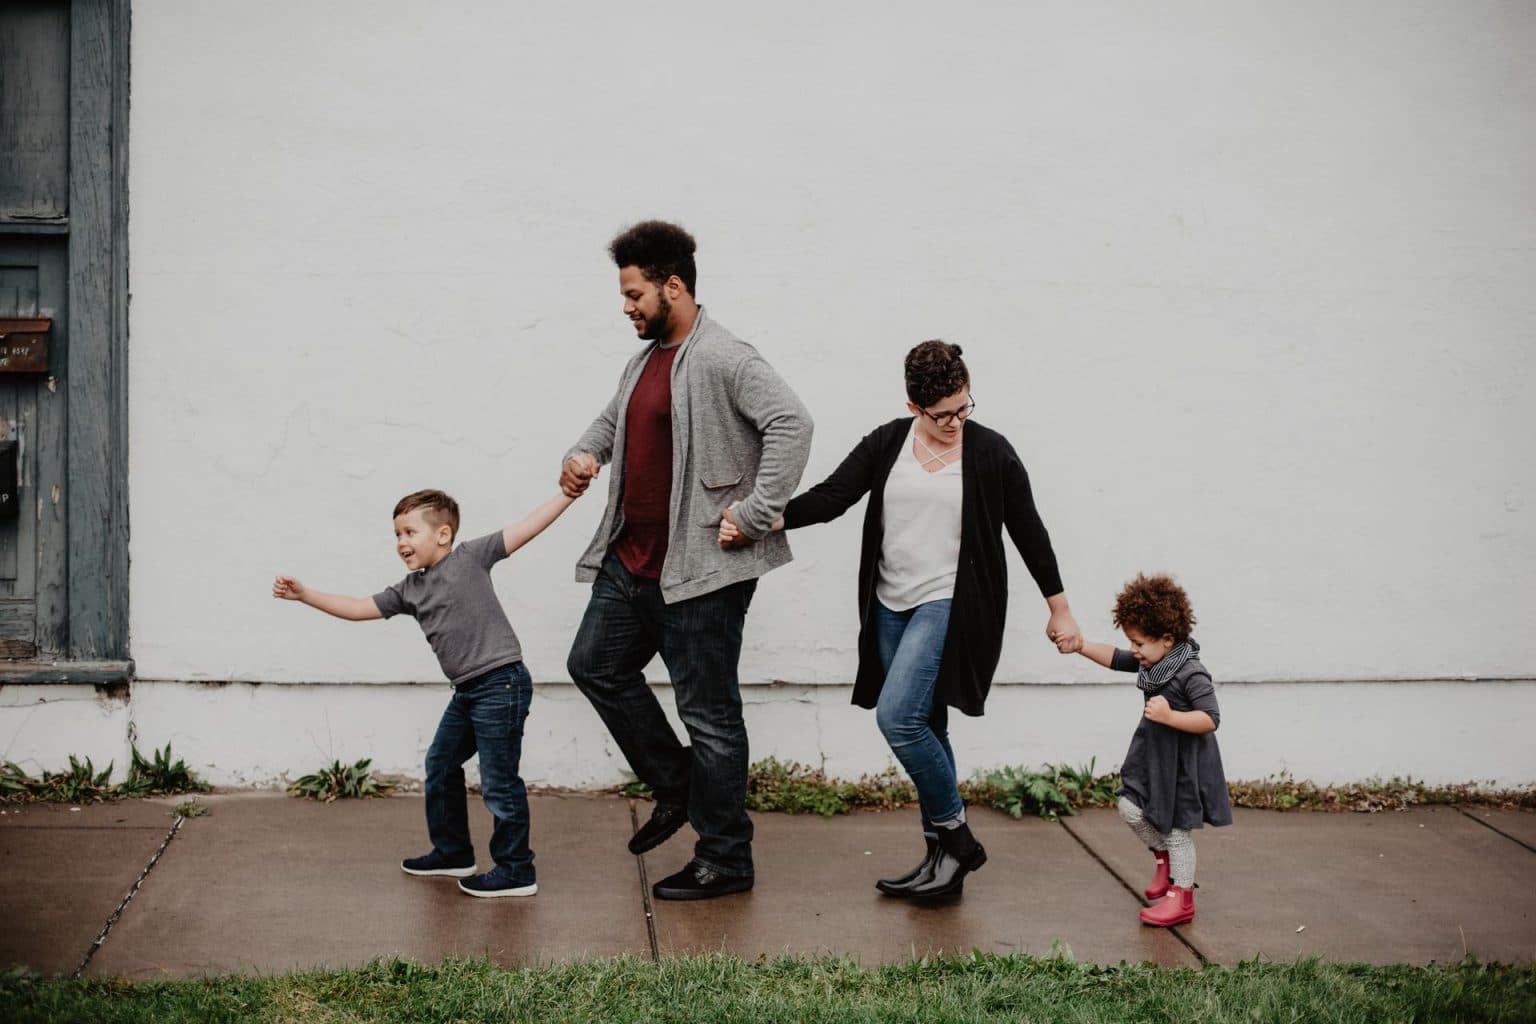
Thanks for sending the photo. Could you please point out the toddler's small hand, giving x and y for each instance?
(1069, 645)
(1157, 710)
(287, 588)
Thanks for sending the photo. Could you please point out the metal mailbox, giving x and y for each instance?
(24, 344)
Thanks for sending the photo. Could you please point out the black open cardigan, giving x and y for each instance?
(996, 494)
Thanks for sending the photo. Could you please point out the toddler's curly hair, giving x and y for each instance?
(1155, 606)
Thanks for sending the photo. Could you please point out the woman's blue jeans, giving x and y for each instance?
(915, 726)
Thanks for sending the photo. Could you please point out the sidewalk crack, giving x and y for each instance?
(1494, 828)
(1174, 931)
(645, 890)
(132, 892)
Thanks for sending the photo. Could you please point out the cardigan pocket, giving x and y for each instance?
(719, 491)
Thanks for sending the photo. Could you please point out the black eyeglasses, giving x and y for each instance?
(944, 419)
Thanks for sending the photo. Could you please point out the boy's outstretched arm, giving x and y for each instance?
(523, 531)
(353, 609)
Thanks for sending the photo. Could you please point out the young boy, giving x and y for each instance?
(448, 591)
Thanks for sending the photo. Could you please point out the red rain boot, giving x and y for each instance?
(1177, 907)
(1159, 885)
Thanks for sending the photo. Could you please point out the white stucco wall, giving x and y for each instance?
(1275, 256)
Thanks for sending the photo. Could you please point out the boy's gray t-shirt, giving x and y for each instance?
(458, 610)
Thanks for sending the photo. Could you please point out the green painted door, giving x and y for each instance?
(63, 456)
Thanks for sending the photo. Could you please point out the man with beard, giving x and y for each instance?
(700, 421)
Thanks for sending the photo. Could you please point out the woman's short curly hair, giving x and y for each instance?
(934, 372)
(1156, 607)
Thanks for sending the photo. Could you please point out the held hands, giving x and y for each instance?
(1062, 631)
(577, 474)
(730, 534)
(288, 588)
(1157, 710)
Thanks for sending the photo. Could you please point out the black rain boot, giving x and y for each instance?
(959, 855)
(917, 876)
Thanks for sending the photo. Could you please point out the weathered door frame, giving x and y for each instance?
(96, 375)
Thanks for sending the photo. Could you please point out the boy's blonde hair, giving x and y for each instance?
(439, 508)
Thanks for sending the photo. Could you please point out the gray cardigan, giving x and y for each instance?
(738, 434)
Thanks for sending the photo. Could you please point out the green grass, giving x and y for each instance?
(721, 988)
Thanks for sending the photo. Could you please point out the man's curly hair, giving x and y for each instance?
(934, 372)
(1155, 606)
(659, 249)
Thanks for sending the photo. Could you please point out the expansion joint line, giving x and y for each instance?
(645, 890)
(1175, 932)
(1494, 828)
(89, 953)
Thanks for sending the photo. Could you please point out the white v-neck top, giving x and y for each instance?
(921, 549)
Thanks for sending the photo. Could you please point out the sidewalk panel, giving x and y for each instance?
(273, 883)
(1395, 887)
(1520, 825)
(66, 872)
(815, 893)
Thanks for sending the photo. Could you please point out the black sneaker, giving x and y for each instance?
(499, 881)
(697, 882)
(435, 863)
(664, 822)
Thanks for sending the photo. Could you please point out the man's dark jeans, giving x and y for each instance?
(626, 624)
(487, 718)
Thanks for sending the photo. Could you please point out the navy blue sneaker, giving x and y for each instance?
(435, 863)
(498, 881)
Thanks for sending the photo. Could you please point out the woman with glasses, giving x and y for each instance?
(933, 587)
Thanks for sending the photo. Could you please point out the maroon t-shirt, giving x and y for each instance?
(642, 544)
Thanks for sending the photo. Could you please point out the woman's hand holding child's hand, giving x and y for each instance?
(287, 588)
(1157, 710)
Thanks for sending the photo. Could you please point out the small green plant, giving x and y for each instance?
(160, 775)
(1054, 791)
(341, 782)
(15, 784)
(83, 784)
(794, 788)
(636, 789)
(190, 809)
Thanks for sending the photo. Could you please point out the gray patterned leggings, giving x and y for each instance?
(1179, 843)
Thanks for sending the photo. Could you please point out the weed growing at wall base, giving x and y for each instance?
(83, 784)
(341, 782)
(1055, 790)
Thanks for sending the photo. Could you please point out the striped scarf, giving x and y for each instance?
(1155, 678)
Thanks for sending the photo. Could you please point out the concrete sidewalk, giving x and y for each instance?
(267, 883)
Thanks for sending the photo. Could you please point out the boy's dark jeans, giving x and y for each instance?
(625, 625)
(488, 719)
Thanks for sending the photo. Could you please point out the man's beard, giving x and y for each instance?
(656, 327)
